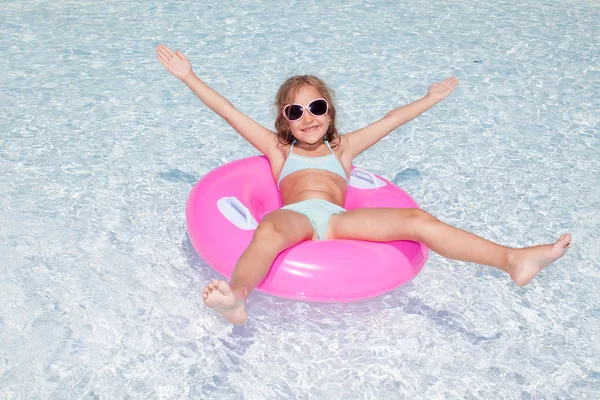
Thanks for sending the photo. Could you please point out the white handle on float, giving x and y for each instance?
(236, 213)
(363, 179)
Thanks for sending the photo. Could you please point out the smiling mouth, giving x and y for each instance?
(310, 128)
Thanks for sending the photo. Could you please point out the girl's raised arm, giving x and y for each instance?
(260, 137)
(366, 137)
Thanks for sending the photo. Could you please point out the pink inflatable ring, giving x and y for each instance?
(222, 213)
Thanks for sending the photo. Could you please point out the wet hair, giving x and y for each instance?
(285, 95)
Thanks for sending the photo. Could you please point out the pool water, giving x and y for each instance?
(100, 146)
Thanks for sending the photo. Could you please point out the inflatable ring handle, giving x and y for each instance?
(236, 213)
(363, 179)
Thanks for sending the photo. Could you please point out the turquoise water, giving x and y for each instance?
(99, 148)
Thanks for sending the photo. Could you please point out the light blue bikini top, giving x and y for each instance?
(295, 162)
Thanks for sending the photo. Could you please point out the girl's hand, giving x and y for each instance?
(176, 63)
(439, 91)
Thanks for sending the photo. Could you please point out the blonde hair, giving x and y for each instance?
(285, 95)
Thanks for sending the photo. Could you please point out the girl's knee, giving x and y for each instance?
(421, 221)
(282, 232)
(267, 230)
(421, 216)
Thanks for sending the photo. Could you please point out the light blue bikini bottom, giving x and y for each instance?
(318, 212)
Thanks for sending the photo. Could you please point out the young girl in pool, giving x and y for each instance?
(311, 162)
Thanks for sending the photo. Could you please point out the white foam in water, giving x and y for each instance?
(99, 147)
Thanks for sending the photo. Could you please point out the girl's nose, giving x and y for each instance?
(307, 117)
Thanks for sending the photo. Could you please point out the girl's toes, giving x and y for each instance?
(565, 240)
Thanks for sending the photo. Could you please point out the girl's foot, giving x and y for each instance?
(219, 296)
(525, 264)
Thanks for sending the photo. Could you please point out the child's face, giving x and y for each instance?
(310, 128)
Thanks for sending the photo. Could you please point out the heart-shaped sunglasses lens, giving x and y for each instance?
(318, 107)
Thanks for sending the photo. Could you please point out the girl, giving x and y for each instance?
(311, 162)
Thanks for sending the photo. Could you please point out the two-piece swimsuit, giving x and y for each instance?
(318, 211)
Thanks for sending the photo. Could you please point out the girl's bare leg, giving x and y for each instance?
(276, 232)
(387, 224)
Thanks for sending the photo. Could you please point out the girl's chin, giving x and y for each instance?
(310, 137)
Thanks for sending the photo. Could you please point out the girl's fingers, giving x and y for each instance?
(162, 58)
(164, 53)
(166, 50)
(163, 62)
(446, 81)
(160, 52)
(180, 55)
(451, 84)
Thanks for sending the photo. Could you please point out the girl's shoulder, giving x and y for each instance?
(341, 148)
(279, 156)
